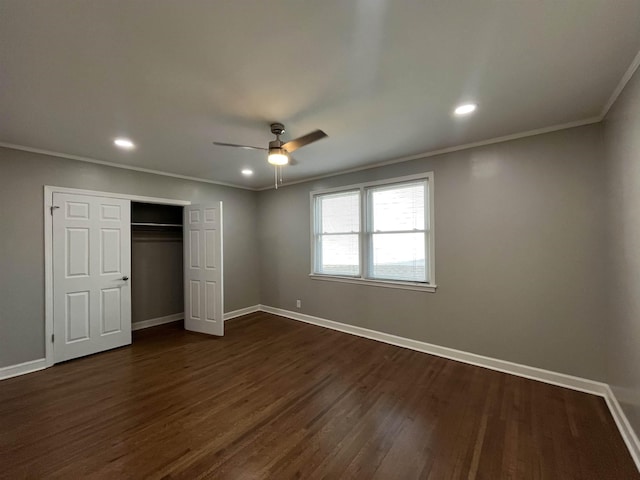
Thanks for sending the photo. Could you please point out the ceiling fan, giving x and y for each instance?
(278, 150)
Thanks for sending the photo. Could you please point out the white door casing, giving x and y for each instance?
(203, 275)
(91, 259)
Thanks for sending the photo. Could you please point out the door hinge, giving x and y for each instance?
(52, 337)
(53, 207)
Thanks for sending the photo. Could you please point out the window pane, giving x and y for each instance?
(339, 212)
(398, 207)
(399, 256)
(339, 255)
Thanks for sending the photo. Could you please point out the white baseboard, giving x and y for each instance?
(22, 368)
(554, 378)
(241, 311)
(153, 322)
(626, 430)
(547, 376)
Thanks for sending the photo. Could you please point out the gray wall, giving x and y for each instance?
(519, 240)
(157, 287)
(22, 177)
(622, 142)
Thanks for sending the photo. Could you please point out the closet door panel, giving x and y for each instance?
(203, 269)
(91, 265)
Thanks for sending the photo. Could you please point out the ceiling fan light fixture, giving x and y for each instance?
(278, 156)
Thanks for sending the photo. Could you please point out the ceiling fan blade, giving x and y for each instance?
(299, 142)
(246, 147)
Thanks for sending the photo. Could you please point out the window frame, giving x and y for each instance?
(365, 235)
(316, 238)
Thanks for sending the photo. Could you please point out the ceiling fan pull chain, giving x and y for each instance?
(280, 175)
(275, 170)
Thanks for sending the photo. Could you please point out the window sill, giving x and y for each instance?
(421, 287)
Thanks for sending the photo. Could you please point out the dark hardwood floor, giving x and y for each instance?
(280, 399)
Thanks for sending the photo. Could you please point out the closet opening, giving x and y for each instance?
(112, 258)
(157, 273)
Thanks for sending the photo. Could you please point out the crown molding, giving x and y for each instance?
(635, 63)
(457, 148)
(68, 156)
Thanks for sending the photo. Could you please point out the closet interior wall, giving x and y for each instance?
(156, 262)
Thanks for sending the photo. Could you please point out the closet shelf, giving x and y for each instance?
(142, 224)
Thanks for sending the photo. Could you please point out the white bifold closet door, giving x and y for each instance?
(91, 267)
(203, 289)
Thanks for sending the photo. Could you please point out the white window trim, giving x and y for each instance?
(431, 286)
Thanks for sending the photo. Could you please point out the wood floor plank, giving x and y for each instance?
(280, 399)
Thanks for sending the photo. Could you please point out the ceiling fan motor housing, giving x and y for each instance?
(277, 155)
(275, 146)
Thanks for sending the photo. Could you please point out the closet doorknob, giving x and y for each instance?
(125, 278)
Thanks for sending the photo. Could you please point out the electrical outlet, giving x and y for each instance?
(299, 303)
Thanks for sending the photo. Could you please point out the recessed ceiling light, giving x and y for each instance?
(247, 171)
(465, 109)
(124, 143)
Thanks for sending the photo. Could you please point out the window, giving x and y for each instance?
(338, 237)
(397, 232)
(376, 233)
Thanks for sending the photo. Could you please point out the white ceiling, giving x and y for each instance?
(381, 77)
